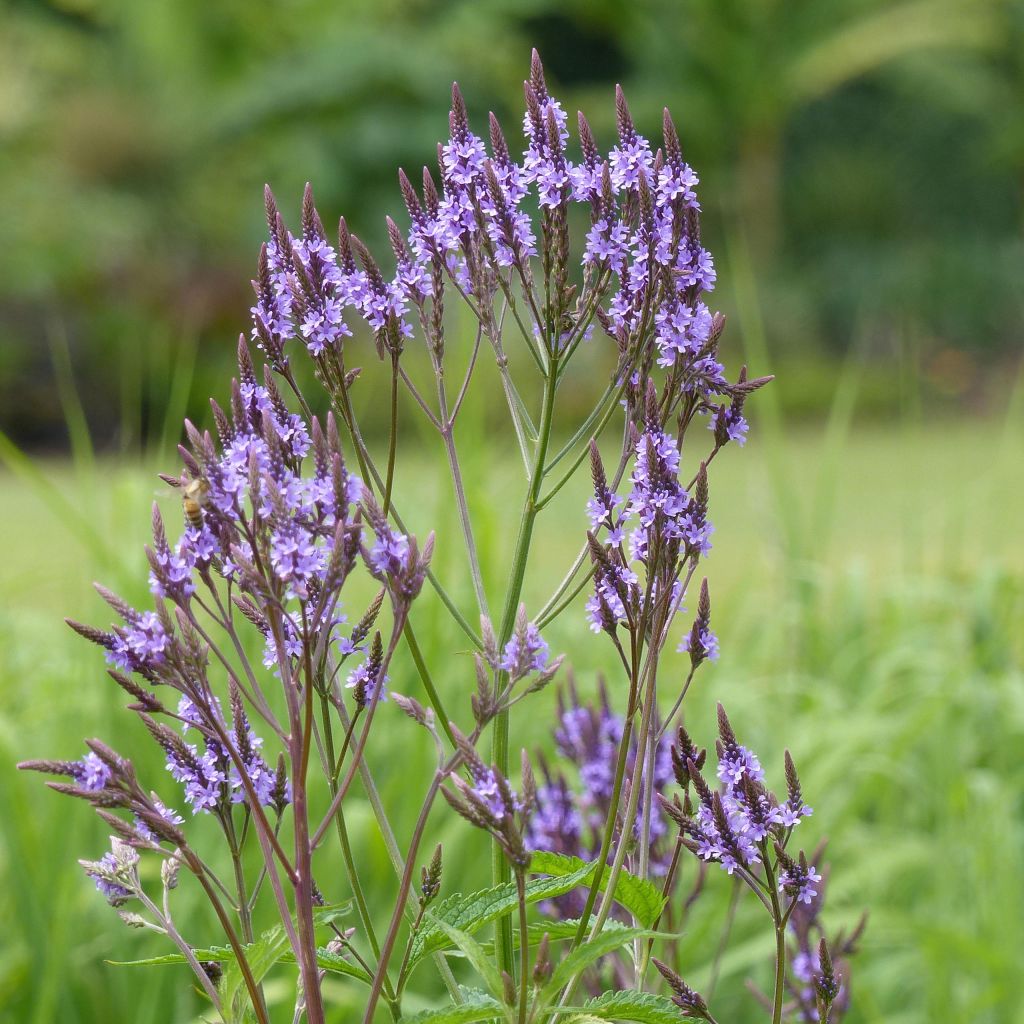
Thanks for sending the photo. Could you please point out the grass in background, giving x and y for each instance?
(868, 587)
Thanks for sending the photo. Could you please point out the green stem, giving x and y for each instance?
(524, 945)
(499, 867)
(195, 866)
(165, 922)
(650, 703)
(370, 472)
(343, 841)
(780, 940)
(380, 976)
(428, 683)
(723, 942)
(398, 862)
(389, 477)
(244, 914)
(581, 456)
(244, 909)
(454, 467)
(609, 829)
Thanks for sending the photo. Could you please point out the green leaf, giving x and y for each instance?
(470, 913)
(605, 942)
(475, 954)
(335, 963)
(556, 931)
(478, 1006)
(642, 898)
(643, 1007)
(261, 955)
(271, 948)
(215, 954)
(329, 961)
(332, 912)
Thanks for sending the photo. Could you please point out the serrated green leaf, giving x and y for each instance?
(557, 931)
(642, 1007)
(470, 913)
(328, 961)
(642, 898)
(335, 963)
(261, 955)
(475, 954)
(331, 913)
(581, 957)
(478, 1006)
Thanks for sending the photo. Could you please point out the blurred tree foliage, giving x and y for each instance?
(866, 155)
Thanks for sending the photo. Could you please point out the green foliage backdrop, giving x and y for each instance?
(868, 153)
(863, 164)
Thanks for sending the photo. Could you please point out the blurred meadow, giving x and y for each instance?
(862, 165)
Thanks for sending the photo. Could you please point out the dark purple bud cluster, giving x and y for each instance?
(700, 643)
(486, 799)
(689, 1001)
(819, 981)
(641, 546)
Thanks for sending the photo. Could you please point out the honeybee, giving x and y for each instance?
(194, 496)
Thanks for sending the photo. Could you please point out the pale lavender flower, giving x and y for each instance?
(729, 422)
(167, 813)
(365, 680)
(91, 773)
(104, 873)
(524, 653)
(798, 881)
(389, 552)
(139, 646)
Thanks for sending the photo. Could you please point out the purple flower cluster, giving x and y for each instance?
(486, 799)
(798, 881)
(115, 873)
(210, 777)
(366, 679)
(167, 813)
(702, 645)
(728, 424)
(91, 773)
(526, 651)
(389, 552)
(735, 825)
(659, 504)
(139, 645)
(104, 873)
(643, 243)
(664, 522)
(499, 800)
(271, 523)
(305, 285)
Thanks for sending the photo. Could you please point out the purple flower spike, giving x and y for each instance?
(525, 652)
(798, 881)
(91, 773)
(113, 892)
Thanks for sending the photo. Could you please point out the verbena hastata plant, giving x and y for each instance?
(283, 509)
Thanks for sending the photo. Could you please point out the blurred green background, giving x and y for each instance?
(872, 153)
(862, 169)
